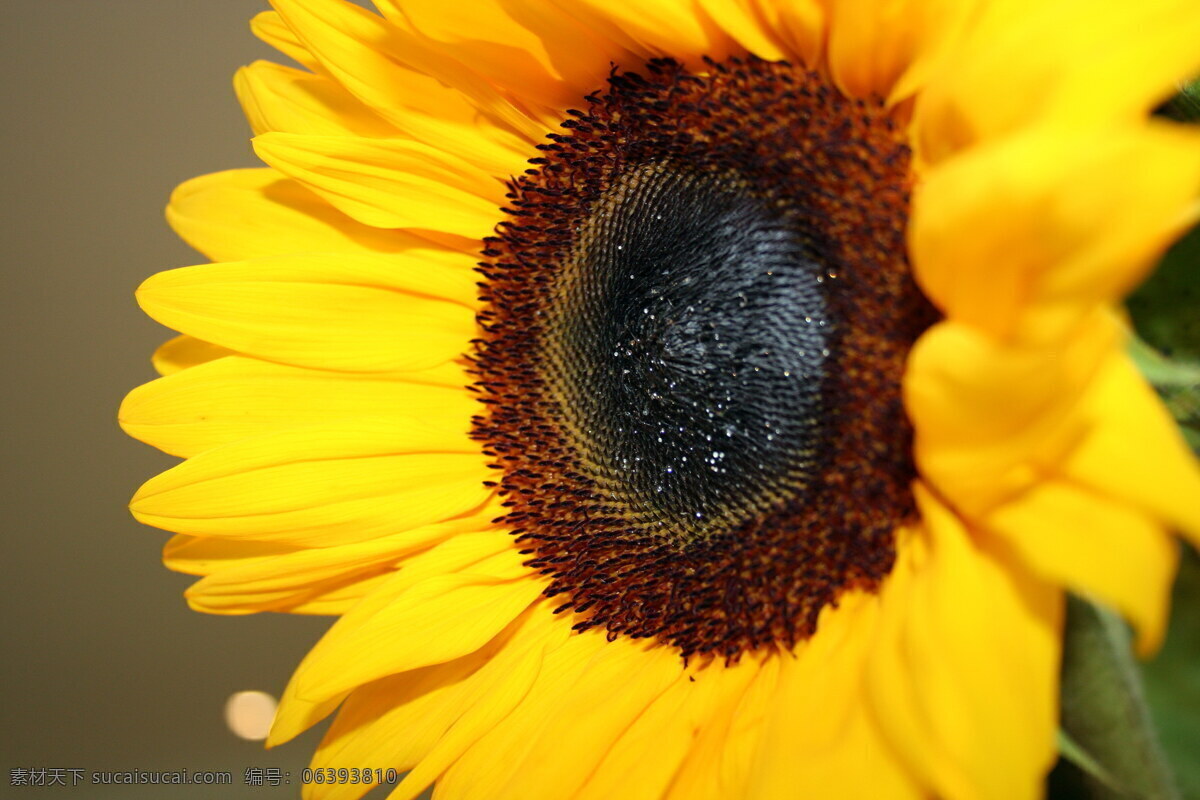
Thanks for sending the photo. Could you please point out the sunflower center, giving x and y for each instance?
(696, 319)
(685, 341)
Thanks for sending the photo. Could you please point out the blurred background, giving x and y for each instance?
(108, 104)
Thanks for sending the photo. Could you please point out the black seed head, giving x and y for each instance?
(695, 324)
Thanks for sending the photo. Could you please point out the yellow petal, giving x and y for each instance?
(495, 151)
(394, 722)
(872, 43)
(382, 65)
(798, 25)
(542, 59)
(434, 621)
(1071, 61)
(1133, 450)
(941, 29)
(207, 555)
(584, 681)
(861, 765)
(330, 596)
(1024, 237)
(718, 761)
(279, 98)
(184, 352)
(270, 27)
(817, 740)
(334, 599)
(1095, 547)
(297, 712)
(991, 420)
(564, 748)
(251, 213)
(204, 555)
(741, 21)
(237, 398)
(356, 47)
(339, 483)
(390, 183)
(964, 673)
(293, 719)
(271, 581)
(669, 732)
(735, 766)
(668, 28)
(354, 313)
(282, 99)
(543, 649)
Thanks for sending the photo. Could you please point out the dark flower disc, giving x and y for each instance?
(695, 323)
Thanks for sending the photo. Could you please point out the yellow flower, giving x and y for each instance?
(743, 512)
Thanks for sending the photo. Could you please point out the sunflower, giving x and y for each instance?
(690, 398)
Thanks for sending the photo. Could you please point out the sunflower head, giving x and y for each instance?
(714, 394)
(696, 318)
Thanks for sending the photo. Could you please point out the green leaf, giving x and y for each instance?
(1107, 730)
(1074, 752)
(1178, 384)
(1160, 370)
(1164, 308)
(1184, 106)
(1130, 730)
(1172, 679)
(1166, 312)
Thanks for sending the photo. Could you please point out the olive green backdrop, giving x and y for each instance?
(107, 104)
